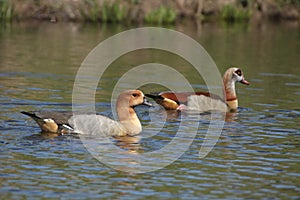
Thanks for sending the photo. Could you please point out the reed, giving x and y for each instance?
(107, 12)
(6, 10)
(112, 12)
(89, 10)
(231, 13)
(162, 15)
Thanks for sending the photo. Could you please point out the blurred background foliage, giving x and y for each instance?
(148, 11)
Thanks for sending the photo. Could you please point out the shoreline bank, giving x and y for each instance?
(150, 11)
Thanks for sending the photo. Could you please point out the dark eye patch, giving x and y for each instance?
(135, 95)
(238, 72)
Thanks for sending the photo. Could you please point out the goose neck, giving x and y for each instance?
(129, 119)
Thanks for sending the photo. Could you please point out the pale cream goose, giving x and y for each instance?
(65, 122)
(204, 101)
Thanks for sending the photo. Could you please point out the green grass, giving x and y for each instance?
(108, 12)
(90, 11)
(231, 13)
(113, 12)
(162, 15)
(6, 11)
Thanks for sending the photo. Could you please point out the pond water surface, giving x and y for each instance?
(257, 155)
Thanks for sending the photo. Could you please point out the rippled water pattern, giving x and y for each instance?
(257, 155)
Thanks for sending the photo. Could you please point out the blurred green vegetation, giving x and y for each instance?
(160, 16)
(6, 10)
(147, 11)
(108, 12)
(231, 13)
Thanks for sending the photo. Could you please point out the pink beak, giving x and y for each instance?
(245, 82)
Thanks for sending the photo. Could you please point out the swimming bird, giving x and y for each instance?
(129, 124)
(204, 101)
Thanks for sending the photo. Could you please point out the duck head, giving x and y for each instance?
(237, 75)
(132, 98)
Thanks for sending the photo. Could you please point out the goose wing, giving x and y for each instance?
(96, 125)
(204, 103)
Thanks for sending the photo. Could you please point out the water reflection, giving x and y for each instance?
(42, 135)
(257, 155)
(171, 115)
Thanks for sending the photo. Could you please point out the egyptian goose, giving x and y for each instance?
(65, 122)
(204, 101)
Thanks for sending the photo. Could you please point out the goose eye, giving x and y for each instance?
(238, 72)
(134, 95)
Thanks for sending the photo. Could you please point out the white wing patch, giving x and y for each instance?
(67, 127)
(48, 120)
(203, 103)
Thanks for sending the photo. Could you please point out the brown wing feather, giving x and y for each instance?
(171, 100)
(182, 97)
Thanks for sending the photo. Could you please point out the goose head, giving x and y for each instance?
(234, 75)
(131, 98)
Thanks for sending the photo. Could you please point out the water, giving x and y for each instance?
(256, 156)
